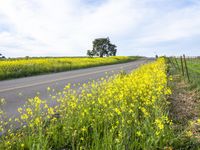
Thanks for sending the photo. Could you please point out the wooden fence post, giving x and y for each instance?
(182, 66)
(186, 67)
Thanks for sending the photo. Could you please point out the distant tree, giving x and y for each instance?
(112, 50)
(102, 47)
(2, 57)
(156, 56)
(90, 53)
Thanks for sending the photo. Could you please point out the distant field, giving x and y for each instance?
(15, 68)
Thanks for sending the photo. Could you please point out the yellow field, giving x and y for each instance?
(14, 68)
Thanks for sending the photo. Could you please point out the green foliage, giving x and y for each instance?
(194, 71)
(193, 65)
(2, 57)
(102, 47)
(90, 53)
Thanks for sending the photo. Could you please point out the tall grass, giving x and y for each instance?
(14, 68)
(194, 71)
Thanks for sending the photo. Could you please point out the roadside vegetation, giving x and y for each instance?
(127, 111)
(188, 69)
(185, 101)
(194, 71)
(15, 68)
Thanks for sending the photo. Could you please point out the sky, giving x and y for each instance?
(68, 27)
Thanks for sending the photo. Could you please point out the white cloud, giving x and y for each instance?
(174, 25)
(66, 27)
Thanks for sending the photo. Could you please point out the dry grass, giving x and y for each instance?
(185, 110)
(184, 101)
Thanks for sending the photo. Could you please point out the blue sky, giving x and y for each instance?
(68, 27)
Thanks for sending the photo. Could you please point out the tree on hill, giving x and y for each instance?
(102, 47)
(1, 56)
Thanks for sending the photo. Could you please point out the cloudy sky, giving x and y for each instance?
(68, 27)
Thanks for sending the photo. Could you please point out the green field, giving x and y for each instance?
(15, 68)
(193, 66)
(194, 71)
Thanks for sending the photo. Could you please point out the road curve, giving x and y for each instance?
(17, 91)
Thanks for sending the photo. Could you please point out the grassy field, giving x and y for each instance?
(15, 68)
(193, 65)
(194, 71)
(128, 111)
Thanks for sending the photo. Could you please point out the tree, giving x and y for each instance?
(112, 50)
(1, 56)
(90, 53)
(102, 47)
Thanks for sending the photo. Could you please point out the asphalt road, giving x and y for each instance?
(17, 91)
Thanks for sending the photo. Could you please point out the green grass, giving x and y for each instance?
(193, 65)
(194, 72)
(186, 120)
(15, 68)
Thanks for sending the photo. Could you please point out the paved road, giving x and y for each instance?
(17, 91)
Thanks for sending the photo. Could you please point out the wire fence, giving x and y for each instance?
(188, 67)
